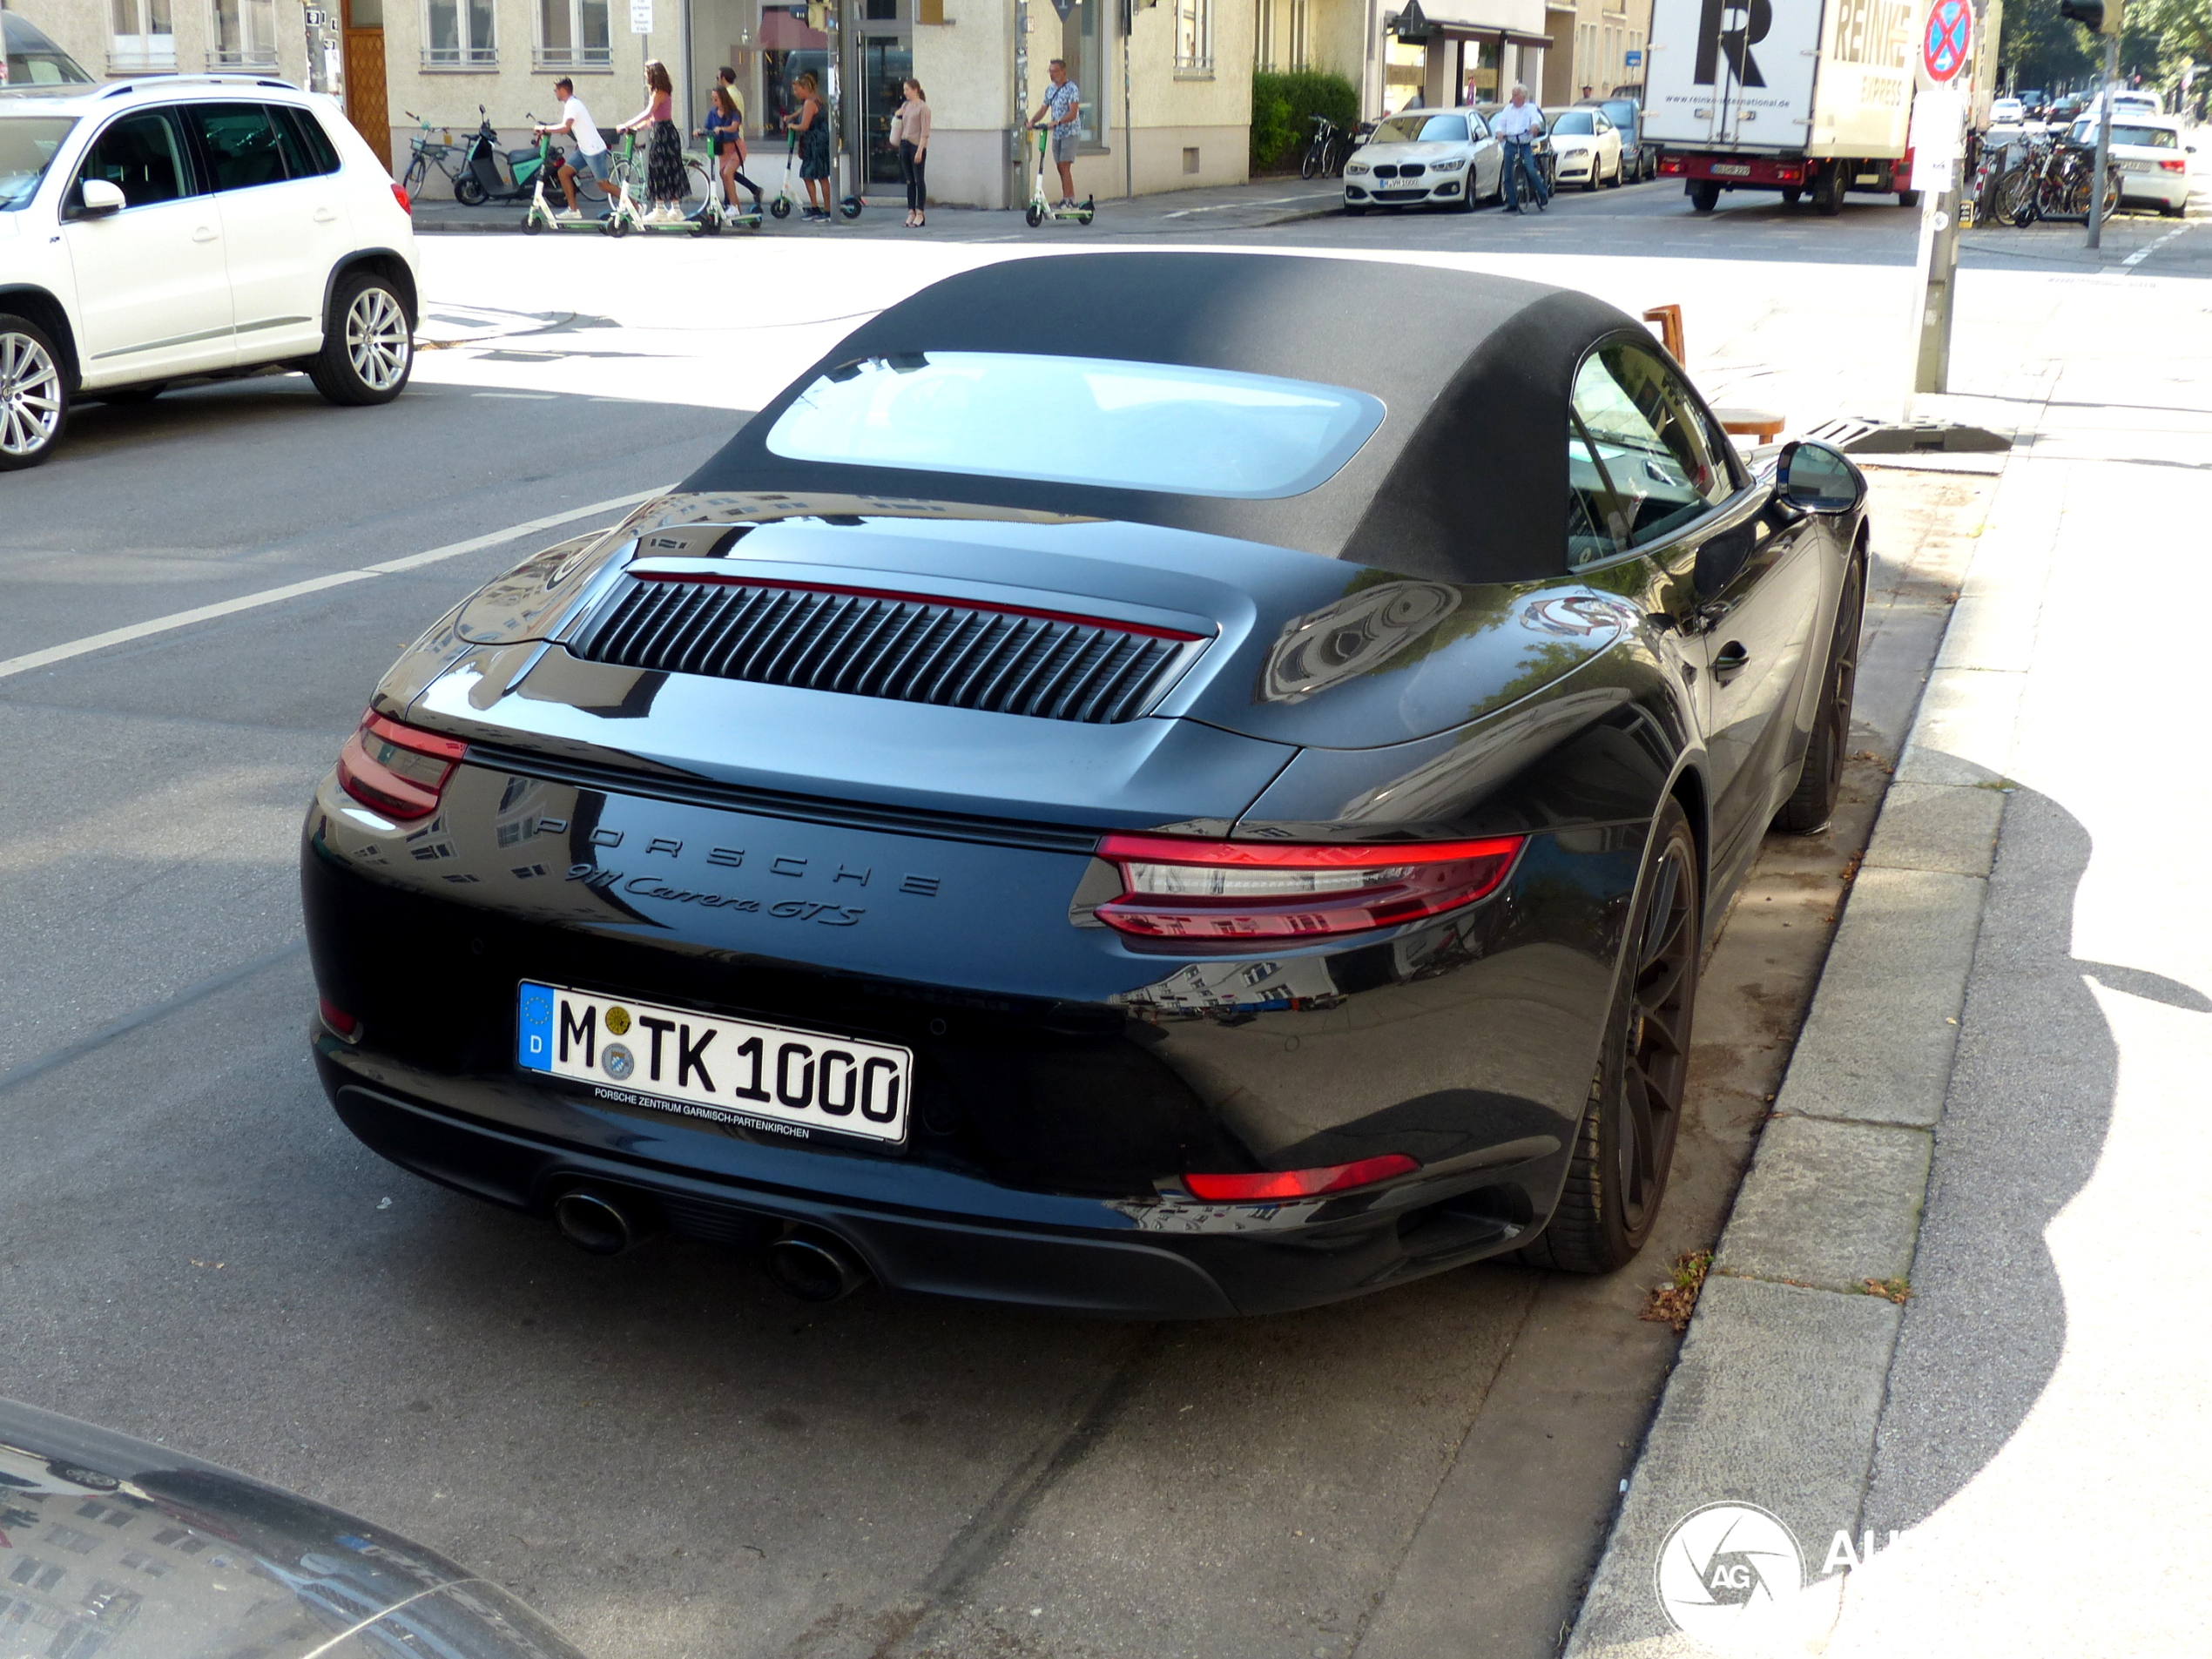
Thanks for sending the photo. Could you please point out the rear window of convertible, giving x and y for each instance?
(1089, 420)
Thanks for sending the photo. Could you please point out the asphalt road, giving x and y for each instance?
(662, 1451)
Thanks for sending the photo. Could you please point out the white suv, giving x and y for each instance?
(190, 228)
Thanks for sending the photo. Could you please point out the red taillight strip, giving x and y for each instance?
(373, 784)
(1277, 855)
(1145, 629)
(1274, 1185)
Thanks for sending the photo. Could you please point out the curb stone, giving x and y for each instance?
(1776, 1396)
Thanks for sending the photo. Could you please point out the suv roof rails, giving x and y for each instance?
(118, 88)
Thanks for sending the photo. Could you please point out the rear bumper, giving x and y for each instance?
(2165, 189)
(1112, 1268)
(1736, 171)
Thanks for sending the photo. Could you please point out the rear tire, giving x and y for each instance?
(367, 343)
(1704, 195)
(1828, 191)
(1908, 199)
(1813, 802)
(34, 394)
(467, 192)
(1625, 1147)
(1791, 196)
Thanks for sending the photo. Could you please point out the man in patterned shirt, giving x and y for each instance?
(1058, 112)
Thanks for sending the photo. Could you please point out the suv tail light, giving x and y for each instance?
(1177, 888)
(396, 769)
(2174, 167)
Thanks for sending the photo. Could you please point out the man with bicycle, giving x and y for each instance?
(590, 149)
(1518, 126)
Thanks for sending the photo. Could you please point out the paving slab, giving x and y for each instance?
(1945, 827)
(1828, 1205)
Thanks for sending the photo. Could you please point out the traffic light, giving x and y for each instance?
(2098, 17)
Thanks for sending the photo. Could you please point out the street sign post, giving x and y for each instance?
(1950, 36)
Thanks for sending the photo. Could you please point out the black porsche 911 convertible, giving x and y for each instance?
(1154, 784)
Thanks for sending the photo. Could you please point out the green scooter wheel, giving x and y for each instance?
(781, 207)
(1036, 215)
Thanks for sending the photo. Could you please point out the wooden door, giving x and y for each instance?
(365, 105)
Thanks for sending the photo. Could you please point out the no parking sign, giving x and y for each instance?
(1947, 40)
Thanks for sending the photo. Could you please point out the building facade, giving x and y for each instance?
(1454, 50)
(1604, 45)
(117, 37)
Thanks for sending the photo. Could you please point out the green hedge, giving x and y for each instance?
(1283, 106)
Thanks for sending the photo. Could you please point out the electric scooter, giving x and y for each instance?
(1042, 210)
(626, 215)
(489, 174)
(543, 215)
(787, 198)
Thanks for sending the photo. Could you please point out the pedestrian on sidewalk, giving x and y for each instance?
(910, 135)
(590, 149)
(814, 146)
(1518, 126)
(1063, 102)
(725, 134)
(664, 188)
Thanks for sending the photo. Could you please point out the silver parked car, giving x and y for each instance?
(1424, 157)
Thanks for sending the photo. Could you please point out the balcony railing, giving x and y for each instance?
(461, 57)
(583, 57)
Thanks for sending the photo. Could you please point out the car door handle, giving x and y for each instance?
(1730, 661)
(202, 234)
(325, 216)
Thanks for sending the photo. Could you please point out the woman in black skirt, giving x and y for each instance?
(664, 185)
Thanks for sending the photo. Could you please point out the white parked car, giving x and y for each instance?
(1443, 158)
(190, 228)
(1587, 148)
(2151, 153)
(2007, 112)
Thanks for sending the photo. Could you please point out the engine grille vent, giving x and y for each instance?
(954, 653)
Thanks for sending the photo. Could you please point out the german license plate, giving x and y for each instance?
(732, 1072)
(2134, 166)
(1731, 169)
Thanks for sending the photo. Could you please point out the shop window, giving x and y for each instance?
(789, 47)
(460, 34)
(572, 34)
(1083, 43)
(245, 34)
(145, 37)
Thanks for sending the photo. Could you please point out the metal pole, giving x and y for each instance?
(1129, 119)
(2104, 142)
(1014, 196)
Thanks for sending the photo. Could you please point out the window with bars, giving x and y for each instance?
(144, 36)
(1194, 37)
(243, 34)
(573, 34)
(460, 34)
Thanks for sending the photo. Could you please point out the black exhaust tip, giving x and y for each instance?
(814, 1267)
(599, 1224)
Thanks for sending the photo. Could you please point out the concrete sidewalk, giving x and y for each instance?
(1959, 1314)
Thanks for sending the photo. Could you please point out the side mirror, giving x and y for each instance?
(102, 197)
(1819, 479)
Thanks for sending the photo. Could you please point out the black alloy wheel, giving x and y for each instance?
(1626, 1144)
(1813, 802)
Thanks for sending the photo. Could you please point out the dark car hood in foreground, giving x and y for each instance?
(115, 1546)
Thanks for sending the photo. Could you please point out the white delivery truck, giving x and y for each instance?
(1810, 98)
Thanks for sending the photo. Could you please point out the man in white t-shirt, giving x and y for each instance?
(590, 148)
(1518, 126)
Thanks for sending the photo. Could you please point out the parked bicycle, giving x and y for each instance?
(427, 153)
(2052, 180)
(1325, 150)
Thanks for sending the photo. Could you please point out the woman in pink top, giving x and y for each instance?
(664, 187)
(910, 136)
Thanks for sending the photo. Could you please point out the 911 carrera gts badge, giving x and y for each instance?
(615, 1059)
(651, 886)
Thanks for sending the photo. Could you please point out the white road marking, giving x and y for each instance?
(2142, 253)
(91, 643)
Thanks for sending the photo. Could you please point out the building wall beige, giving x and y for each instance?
(201, 36)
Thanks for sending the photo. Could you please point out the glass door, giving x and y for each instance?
(886, 61)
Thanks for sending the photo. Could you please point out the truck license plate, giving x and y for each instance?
(1731, 169)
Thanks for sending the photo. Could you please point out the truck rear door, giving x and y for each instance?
(1755, 59)
(1678, 112)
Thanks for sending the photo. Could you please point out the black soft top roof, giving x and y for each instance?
(1465, 481)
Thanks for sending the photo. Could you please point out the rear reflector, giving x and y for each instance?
(1270, 1185)
(1179, 888)
(343, 1026)
(397, 769)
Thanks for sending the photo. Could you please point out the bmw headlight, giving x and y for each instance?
(1356, 168)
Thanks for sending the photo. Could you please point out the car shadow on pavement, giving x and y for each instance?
(2025, 1123)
